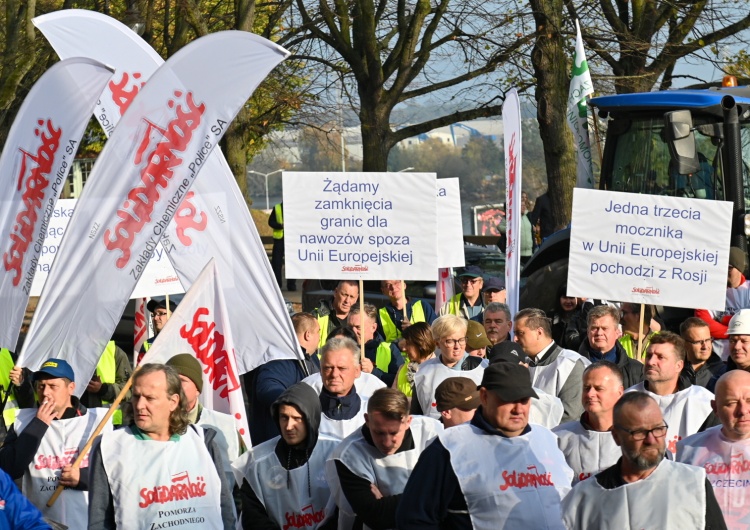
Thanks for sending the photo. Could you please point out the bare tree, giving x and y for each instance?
(390, 52)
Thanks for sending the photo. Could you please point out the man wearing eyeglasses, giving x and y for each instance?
(724, 451)
(468, 303)
(686, 407)
(643, 489)
(702, 362)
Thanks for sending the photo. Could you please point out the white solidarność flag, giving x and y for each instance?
(215, 222)
(200, 326)
(140, 326)
(580, 87)
(36, 158)
(512, 143)
(145, 170)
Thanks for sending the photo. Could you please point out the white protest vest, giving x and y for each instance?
(547, 410)
(365, 384)
(290, 505)
(389, 473)
(552, 377)
(340, 429)
(433, 372)
(672, 497)
(727, 466)
(684, 411)
(226, 439)
(513, 483)
(59, 447)
(154, 484)
(587, 452)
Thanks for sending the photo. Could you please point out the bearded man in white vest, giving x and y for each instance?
(554, 370)
(227, 438)
(724, 451)
(369, 469)
(283, 479)
(643, 489)
(686, 407)
(587, 443)
(160, 472)
(43, 443)
(496, 472)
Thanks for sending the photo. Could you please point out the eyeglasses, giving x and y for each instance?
(453, 342)
(642, 434)
(701, 342)
(160, 314)
(473, 281)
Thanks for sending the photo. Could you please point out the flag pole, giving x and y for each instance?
(640, 333)
(86, 448)
(361, 320)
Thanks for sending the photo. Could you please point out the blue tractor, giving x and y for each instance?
(682, 143)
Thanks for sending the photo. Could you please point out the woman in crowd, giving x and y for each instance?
(420, 347)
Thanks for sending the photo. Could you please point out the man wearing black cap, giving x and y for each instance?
(494, 291)
(479, 475)
(283, 479)
(468, 303)
(457, 400)
(228, 439)
(160, 313)
(738, 297)
(44, 442)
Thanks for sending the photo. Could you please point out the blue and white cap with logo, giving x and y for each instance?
(56, 368)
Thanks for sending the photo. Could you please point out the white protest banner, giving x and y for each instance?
(444, 290)
(36, 159)
(450, 231)
(360, 225)
(649, 249)
(144, 172)
(512, 142)
(577, 113)
(158, 279)
(215, 221)
(200, 326)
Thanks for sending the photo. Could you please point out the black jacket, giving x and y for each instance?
(302, 396)
(632, 370)
(714, 365)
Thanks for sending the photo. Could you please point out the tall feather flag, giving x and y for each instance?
(36, 159)
(146, 169)
(213, 220)
(580, 87)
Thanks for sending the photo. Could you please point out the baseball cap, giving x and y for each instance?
(740, 323)
(737, 258)
(472, 271)
(507, 351)
(509, 381)
(493, 284)
(476, 336)
(457, 393)
(154, 304)
(56, 368)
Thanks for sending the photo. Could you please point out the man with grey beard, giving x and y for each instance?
(643, 473)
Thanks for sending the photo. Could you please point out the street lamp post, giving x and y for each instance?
(265, 176)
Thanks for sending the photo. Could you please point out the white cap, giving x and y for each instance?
(740, 323)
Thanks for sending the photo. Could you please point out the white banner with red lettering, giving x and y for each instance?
(215, 222)
(140, 325)
(36, 159)
(200, 326)
(513, 174)
(144, 172)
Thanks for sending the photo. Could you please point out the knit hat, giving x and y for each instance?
(189, 366)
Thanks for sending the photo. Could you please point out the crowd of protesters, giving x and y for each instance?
(462, 416)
